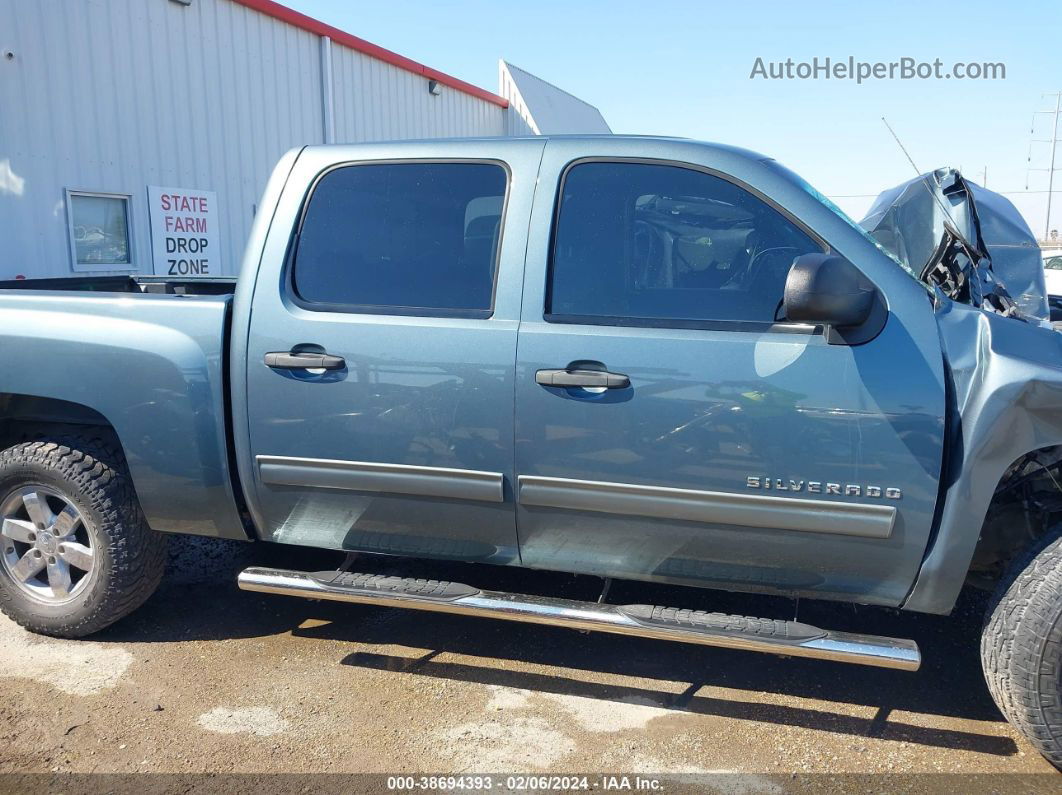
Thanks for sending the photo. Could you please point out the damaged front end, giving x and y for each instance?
(1002, 467)
(965, 240)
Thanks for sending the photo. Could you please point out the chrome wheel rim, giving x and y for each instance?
(46, 548)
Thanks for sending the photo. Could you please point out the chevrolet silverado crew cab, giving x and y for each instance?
(628, 357)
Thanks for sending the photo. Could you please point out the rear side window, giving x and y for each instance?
(402, 238)
(660, 245)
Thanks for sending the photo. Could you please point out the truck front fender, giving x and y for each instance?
(1007, 401)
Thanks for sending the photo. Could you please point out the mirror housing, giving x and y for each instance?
(828, 290)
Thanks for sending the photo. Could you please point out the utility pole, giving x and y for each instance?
(1053, 140)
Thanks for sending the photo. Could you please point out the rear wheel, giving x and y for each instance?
(76, 554)
(1021, 647)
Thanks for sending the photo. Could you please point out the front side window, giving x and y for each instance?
(417, 238)
(99, 231)
(659, 243)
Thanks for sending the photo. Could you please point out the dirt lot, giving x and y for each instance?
(209, 679)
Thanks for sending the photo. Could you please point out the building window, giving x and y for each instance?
(402, 238)
(661, 245)
(100, 237)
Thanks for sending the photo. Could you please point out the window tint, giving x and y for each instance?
(665, 243)
(404, 236)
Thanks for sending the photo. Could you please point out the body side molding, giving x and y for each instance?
(460, 484)
(746, 510)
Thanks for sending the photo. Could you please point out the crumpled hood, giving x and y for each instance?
(970, 242)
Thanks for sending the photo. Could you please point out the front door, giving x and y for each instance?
(669, 427)
(380, 375)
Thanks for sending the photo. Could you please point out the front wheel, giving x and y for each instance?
(1021, 646)
(76, 554)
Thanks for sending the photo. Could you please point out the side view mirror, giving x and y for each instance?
(828, 290)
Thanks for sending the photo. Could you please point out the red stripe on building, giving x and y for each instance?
(293, 17)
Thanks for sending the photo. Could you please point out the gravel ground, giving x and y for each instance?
(207, 679)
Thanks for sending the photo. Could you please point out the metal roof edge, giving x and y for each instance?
(307, 23)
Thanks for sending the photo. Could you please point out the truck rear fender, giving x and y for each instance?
(151, 369)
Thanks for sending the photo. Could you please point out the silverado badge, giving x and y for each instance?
(822, 487)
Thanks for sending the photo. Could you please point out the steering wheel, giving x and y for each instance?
(767, 273)
(767, 263)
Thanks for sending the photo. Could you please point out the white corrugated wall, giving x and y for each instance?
(518, 116)
(116, 95)
(538, 107)
(377, 101)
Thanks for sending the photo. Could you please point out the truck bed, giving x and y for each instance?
(152, 366)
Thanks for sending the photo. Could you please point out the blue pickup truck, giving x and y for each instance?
(629, 357)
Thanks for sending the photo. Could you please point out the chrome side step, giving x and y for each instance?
(772, 636)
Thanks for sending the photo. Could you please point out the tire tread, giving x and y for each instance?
(136, 555)
(1021, 645)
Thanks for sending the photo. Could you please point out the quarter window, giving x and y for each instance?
(660, 244)
(401, 238)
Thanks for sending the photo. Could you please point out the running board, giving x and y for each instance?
(790, 638)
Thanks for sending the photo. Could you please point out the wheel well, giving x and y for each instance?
(24, 417)
(1026, 503)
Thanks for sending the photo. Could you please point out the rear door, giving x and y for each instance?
(382, 349)
(669, 427)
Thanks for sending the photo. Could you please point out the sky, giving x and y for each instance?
(683, 68)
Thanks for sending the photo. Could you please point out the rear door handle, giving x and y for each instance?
(288, 360)
(584, 378)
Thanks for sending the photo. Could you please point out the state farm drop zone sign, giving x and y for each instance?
(184, 237)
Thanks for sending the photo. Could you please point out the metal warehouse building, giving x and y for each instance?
(122, 118)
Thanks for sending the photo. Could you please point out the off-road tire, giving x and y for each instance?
(1021, 645)
(89, 471)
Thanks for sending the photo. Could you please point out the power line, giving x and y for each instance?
(1053, 140)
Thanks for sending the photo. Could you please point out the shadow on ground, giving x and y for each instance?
(199, 601)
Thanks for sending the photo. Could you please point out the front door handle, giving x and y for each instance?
(307, 360)
(582, 378)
